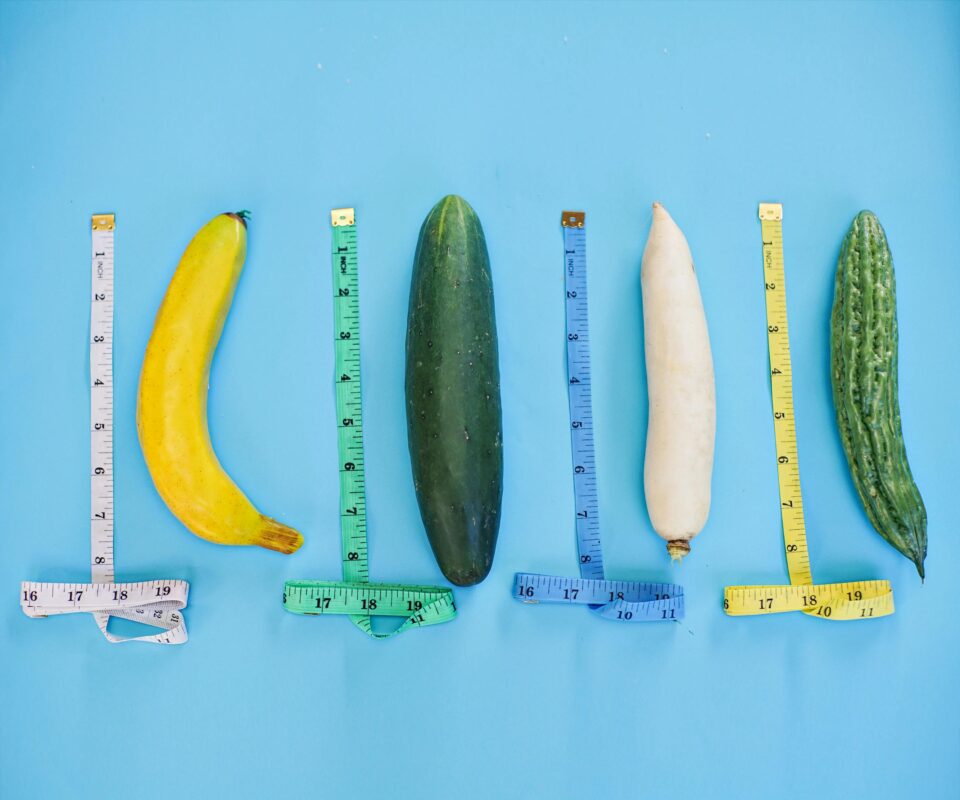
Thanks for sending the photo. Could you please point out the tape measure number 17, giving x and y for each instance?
(622, 601)
(155, 603)
(355, 596)
(836, 601)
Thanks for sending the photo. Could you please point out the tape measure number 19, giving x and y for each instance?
(355, 596)
(155, 603)
(623, 601)
(836, 601)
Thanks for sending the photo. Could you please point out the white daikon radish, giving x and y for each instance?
(682, 398)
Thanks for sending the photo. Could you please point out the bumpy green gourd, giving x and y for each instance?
(864, 374)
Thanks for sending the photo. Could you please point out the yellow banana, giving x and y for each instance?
(172, 401)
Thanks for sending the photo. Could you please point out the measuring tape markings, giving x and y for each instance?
(155, 603)
(837, 601)
(355, 596)
(625, 601)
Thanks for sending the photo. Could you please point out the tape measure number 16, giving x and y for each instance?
(835, 601)
(155, 603)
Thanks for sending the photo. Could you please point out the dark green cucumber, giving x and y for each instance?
(454, 425)
(863, 356)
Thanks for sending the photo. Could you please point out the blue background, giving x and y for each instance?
(170, 113)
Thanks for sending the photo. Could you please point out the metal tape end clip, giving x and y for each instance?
(342, 217)
(573, 219)
(103, 222)
(771, 212)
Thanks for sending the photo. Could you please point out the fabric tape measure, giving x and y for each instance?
(156, 603)
(837, 601)
(625, 601)
(355, 596)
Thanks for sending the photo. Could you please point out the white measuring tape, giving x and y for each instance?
(155, 603)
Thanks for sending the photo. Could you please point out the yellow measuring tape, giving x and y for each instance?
(857, 600)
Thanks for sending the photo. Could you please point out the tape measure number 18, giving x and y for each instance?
(623, 601)
(154, 603)
(355, 596)
(836, 601)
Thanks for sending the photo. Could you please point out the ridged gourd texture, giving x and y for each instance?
(453, 392)
(864, 342)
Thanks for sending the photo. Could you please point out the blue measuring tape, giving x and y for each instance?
(625, 601)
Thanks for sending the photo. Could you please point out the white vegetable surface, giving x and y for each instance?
(682, 397)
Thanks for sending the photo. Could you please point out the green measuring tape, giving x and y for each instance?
(355, 596)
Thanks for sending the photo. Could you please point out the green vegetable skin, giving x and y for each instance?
(453, 392)
(863, 357)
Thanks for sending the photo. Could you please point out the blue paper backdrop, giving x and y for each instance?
(169, 113)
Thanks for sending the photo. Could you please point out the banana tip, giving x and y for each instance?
(277, 536)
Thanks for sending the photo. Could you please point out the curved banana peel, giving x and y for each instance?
(172, 398)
